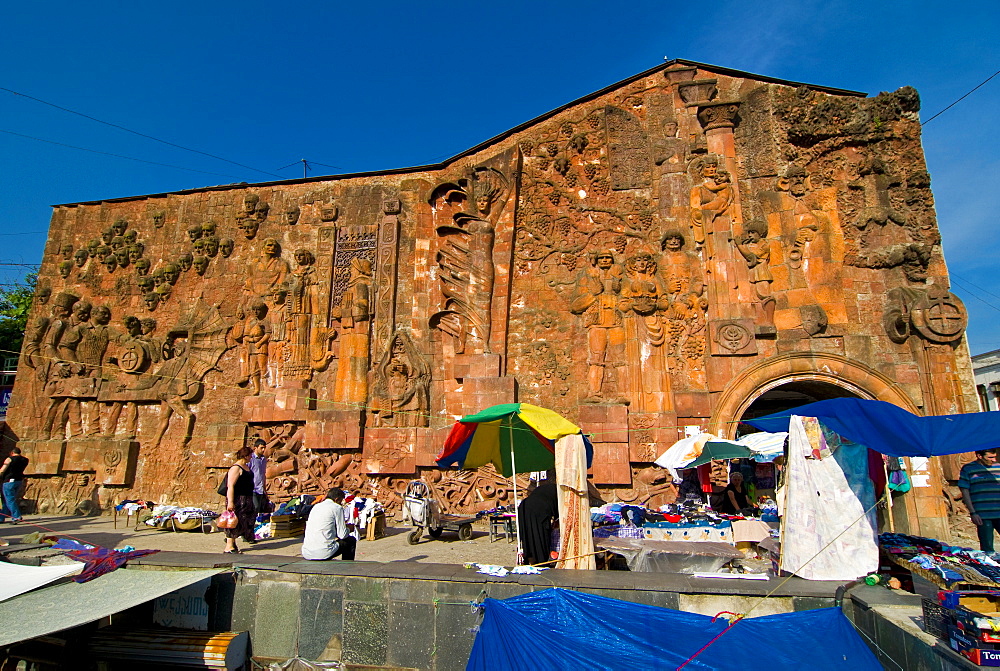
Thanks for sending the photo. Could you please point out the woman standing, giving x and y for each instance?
(239, 500)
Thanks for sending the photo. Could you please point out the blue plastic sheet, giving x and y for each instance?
(562, 629)
(889, 429)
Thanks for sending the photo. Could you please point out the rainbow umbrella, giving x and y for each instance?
(514, 437)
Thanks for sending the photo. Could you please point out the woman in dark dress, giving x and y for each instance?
(734, 496)
(239, 499)
(535, 515)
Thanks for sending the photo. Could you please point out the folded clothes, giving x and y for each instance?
(491, 569)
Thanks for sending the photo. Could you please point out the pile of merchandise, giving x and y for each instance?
(940, 563)
(361, 512)
(162, 515)
(969, 621)
(134, 506)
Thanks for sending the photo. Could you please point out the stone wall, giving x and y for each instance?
(653, 256)
(420, 615)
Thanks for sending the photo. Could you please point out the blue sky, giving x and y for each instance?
(370, 86)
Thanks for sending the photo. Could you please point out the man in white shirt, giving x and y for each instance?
(327, 533)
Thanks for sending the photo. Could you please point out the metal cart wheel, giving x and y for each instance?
(435, 532)
(414, 536)
(465, 532)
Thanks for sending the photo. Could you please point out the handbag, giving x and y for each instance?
(224, 486)
(227, 520)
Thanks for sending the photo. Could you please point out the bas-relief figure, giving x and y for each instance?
(465, 255)
(253, 335)
(402, 382)
(308, 344)
(756, 250)
(354, 315)
(268, 272)
(642, 300)
(685, 317)
(710, 199)
(595, 298)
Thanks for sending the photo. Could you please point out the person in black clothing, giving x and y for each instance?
(239, 499)
(535, 515)
(12, 477)
(734, 496)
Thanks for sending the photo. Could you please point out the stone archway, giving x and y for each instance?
(803, 370)
(829, 375)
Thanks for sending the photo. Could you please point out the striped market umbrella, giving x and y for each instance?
(514, 437)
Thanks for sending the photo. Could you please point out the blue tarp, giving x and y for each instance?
(561, 629)
(889, 429)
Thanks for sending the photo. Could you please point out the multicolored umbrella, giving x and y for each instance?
(514, 437)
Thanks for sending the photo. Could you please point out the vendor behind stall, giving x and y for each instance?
(536, 514)
(735, 496)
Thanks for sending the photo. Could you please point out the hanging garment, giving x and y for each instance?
(577, 547)
(826, 533)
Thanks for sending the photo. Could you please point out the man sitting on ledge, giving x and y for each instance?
(327, 533)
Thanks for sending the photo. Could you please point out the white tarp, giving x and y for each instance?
(17, 579)
(684, 451)
(825, 532)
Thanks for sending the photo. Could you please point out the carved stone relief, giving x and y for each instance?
(756, 250)
(879, 225)
(628, 150)
(685, 316)
(354, 314)
(596, 299)
(733, 337)
(934, 314)
(402, 377)
(467, 212)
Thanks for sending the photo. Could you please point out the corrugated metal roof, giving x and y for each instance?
(51, 609)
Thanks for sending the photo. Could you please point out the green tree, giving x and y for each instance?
(15, 304)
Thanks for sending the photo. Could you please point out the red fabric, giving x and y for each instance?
(102, 560)
(705, 477)
(456, 437)
(876, 471)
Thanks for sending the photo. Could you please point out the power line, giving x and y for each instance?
(105, 153)
(961, 99)
(963, 279)
(129, 130)
(306, 165)
(981, 300)
(27, 233)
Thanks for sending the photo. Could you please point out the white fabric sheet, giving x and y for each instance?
(825, 532)
(17, 579)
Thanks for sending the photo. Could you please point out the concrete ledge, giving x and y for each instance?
(892, 626)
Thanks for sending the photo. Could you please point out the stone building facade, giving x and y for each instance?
(684, 248)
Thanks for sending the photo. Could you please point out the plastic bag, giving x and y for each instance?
(227, 520)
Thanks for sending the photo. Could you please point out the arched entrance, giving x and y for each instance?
(793, 379)
(792, 393)
(797, 378)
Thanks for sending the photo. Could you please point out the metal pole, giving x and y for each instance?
(513, 477)
(888, 497)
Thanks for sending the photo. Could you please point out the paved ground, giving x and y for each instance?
(393, 547)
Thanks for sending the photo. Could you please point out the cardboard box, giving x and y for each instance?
(972, 605)
(971, 649)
